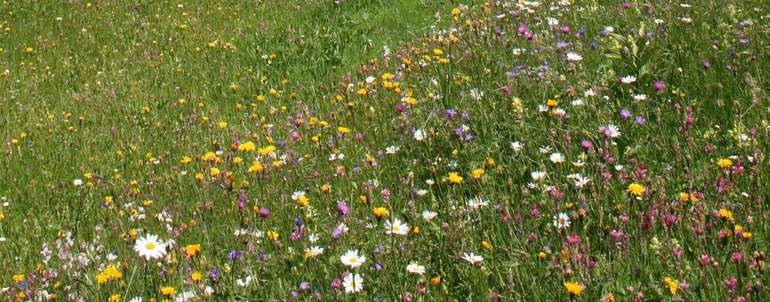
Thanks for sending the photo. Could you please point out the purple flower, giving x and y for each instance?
(234, 255)
(660, 85)
(469, 137)
(451, 113)
(298, 222)
(736, 257)
(731, 283)
(295, 135)
(214, 274)
(581, 32)
(640, 120)
(705, 260)
(304, 285)
(625, 114)
(337, 283)
(343, 208)
(617, 235)
(242, 200)
(586, 145)
(336, 233)
(264, 212)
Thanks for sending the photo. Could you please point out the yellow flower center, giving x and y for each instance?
(150, 245)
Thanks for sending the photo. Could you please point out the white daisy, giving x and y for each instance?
(149, 247)
(353, 283)
(415, 268)
(185, 296)
(472, 258)
(556, 158)
(628, 79)
(419, 135)
(537, 175)
(561, 221)
(574, 57)
(352, 259)
(428, 215)
(396, 227)
(477, 203)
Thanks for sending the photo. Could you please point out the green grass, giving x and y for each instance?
(119, 94)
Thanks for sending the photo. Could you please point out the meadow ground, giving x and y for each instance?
(384, 150)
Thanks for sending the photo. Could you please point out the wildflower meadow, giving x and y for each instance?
(384, 150)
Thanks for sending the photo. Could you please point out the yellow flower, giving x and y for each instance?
(247, 147)
(454, 178)
(635, 189)
(552, 103)
(747, 235)
(380, 212)
(490, 162)
(193, 250)
(574, 288)
(18, 278)
(343, 130)
(436, 281)
(486, 245)
(477, 173)
(186, 160)
(168, 291)
(266, 150)
(209, 156)
(272, 235)
(303, 201)
(214, 171)
(256, 167)
(672, 285)
(114, 298)
(102, 278)
(196, 276)
(725, 163)
(725, 213)
(112, 272)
